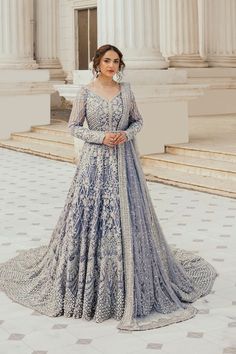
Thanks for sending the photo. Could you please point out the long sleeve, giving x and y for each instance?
(77, 118)
(135, 119)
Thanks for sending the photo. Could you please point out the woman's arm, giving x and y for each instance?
(77, 118)
(135, 119)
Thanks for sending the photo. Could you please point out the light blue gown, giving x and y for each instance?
(107, 257)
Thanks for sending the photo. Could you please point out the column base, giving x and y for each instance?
(136, 63)
(48, 63)
(13, 64)
(187, 61)
(54, 67)
(144, 59)
(222, 61)
(55, 74)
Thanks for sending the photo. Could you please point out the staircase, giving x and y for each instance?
(203, 165)
(52, 141)
(194, 166)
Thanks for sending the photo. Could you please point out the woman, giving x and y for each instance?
(107, 257)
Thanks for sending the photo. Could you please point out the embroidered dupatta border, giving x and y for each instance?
(125, 219)
(128, 322)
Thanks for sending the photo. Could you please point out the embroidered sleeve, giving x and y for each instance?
(77, 118)
(135, 119)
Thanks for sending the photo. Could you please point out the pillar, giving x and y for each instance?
(221, 32)
(16, 34)
(46, 37)
(132, 26)
(180, 32)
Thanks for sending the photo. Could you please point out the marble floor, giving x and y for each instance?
(32, 194)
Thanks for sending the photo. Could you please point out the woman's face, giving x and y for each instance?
(109, 63)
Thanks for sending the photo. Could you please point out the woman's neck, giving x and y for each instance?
(105, 81)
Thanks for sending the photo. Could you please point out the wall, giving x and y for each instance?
(66, 31)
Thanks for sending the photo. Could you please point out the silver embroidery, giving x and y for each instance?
(107, 256)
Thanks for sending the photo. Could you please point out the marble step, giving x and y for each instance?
(201, 150)
(58, 120)
(192, 165)
(217, 186)
(55, 129)
(44, 150)
(45, 138)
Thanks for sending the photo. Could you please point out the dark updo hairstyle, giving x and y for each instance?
(99, 54)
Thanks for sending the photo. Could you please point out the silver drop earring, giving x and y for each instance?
(97, 72)
(118, 76)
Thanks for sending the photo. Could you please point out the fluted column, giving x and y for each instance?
(180, 33)
(221, 32)
(16, 34)
(132, 26)
(46, 37)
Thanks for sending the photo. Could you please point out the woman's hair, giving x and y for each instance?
(101, 51)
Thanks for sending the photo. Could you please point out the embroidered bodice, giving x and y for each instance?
(102, 115)
(109, 111)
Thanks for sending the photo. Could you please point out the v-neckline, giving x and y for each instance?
(104, 98)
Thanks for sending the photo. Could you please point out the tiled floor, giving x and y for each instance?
(32, 193)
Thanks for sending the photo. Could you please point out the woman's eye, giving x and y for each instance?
(107, 61)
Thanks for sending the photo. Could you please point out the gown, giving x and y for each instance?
(107, 256)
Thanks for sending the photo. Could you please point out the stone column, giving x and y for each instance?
(180, 33)
(221, 32)
(132, 26)
(47, 37)
(16, 34)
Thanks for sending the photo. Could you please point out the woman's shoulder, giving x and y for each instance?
(90, 84)
(87, 86)
(81, 89)
(84, 88)
(125, 83)
(126, 86)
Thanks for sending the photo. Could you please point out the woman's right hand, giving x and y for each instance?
(109, 138)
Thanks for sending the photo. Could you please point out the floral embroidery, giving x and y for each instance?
(107, 256)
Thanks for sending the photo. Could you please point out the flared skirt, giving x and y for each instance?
(107, 256)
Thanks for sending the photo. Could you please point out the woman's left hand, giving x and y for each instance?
(120, 138)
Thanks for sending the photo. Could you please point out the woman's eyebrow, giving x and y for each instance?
(111, 59)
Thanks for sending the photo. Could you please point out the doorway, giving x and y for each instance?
(86, 37)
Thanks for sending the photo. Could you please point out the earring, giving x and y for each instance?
(97, 72)
(118, 76)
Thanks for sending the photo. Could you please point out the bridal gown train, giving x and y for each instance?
(107, 256)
